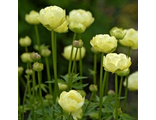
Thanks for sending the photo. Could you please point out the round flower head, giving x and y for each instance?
(79, 20)
(117, 32)
(72, 102)
(25, 42)
(132, 81)
(115, 63)
(25, 57)
(31, 18)
(130, 39)
(67, 52)
(104, 43)
(53, 18)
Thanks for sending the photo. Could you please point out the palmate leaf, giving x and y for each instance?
(53, 81)
(43, 87)
(79, 85)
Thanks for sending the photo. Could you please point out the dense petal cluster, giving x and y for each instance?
(115, 63)
(104, 43)
(119, 33)
(130, 39)
(79, 20)
(72, 102)
(53, 18)
(25, 42)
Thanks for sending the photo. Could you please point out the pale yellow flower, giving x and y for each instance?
(119, 33)
(130, 39)
(31, 18)
(132, 81)
(114, 62)
(79, 20)
(72, 102)
(53, 18)
(67, 52)
(25, 42)
(104, 43)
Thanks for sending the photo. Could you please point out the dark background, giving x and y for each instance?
(107, 14)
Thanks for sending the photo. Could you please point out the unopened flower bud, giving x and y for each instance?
(62, 86)
(20, 71)
(25, 57)
(119, 112)
(111, 92)
(25, 42)
(45, 52)
(37, 66)
(78, 43)
(117, 32)
(82, 92)
(35, 56)
(29, 71)
(93, 88)
(49, 97)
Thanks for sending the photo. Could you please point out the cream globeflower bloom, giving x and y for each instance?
(115, 63)
(53, 18)
(31, 18)
(25, 42)
(132, 81)
(104, 43)
(72, 102)
(67, 52)
(119, 33)
(130, 39)
(79, 20)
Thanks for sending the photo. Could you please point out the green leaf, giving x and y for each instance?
(65, 77)
(78, 78)
(125, 116)
(79, 85)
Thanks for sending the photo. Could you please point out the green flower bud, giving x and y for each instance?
(78, 43)
(25, 57)
(77, 27)
(82, 92)
(29, 71)
(35, 56)
(45, 52)
(111, 92)
(62, 86)
(20, 71)
(37, 66)
(25, 42)
(117, 32)
(123, 72)
(93, 88)
(49, 97)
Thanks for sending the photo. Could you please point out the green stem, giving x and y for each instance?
(92, 96)
(37, 37)
(101, 73)
(116, 96)
(34, 84)
(80, 64)
(70, 85)
(69, 116)
(40, 93)
(101, 93)
(126, 92)
(95, 66)
(54, 57)
(26, 87)
(70, 62)
(26, 49)
(120, 88)
(106, 85)
(19, 99)
(48, 74)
